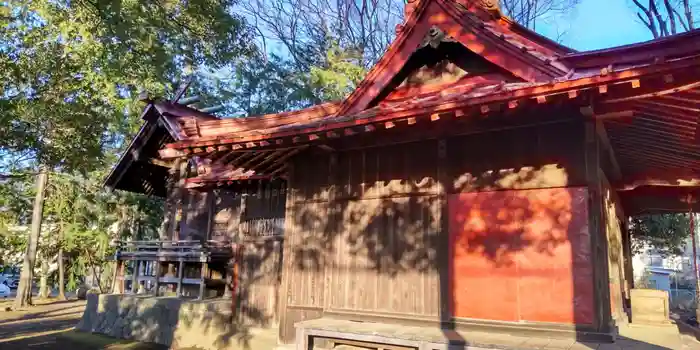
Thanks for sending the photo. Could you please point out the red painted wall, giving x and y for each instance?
(521, 255)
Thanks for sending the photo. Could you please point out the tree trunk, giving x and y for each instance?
(44, 280)
(24, 290)
(61, 270)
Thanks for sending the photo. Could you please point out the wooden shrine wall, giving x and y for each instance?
(258, 282)
(253, 218)
(229, 214)
(518, 226)
(366, 232)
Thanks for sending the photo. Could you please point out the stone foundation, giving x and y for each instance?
(169, 321)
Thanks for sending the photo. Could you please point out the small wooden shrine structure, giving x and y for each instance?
(479, 176)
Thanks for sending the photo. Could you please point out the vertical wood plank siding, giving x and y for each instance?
(363, 230)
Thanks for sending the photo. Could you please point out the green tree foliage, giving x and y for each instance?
(88, 218)
(278, 85)
(666, 233)
(70, 70)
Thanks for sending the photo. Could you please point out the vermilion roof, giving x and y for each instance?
(657, 82)
(543, 65)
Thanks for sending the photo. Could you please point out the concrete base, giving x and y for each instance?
(650, 306)
(169, 321)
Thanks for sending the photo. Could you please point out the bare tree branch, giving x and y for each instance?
(659, 20)
(681, 20)
(649, 23)
(671, 19)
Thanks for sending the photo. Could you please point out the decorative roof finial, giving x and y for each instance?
(492, 6)
(409, 8)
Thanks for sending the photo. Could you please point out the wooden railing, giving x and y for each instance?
(259, 228)
(174, 249)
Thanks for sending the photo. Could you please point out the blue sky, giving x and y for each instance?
(597, 24)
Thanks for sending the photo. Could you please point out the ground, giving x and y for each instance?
(49, 326)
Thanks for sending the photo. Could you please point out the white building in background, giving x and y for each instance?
(673, 274)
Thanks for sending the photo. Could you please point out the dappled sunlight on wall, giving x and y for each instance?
(522, 255)
(548, 175)
(613, 231)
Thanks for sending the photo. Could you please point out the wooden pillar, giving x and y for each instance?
(229, 277)
(135, 277)
(169, 210)
(180, 270)
(629, 274)
(211, 211)
(202, 280)
(286, 334)
(122, 275)
(178, 201)
(443, 263)
(596, 224)
(157, 273)
(119, 276)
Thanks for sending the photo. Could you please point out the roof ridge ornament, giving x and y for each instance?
(409, 8)
(434, 37)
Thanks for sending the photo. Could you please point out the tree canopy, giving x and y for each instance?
(70, 70)
(666, 233)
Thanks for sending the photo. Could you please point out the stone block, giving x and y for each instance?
(650, 306)
(169, 321)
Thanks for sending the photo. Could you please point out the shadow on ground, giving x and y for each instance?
(75, 340)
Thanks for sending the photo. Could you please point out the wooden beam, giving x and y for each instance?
(654, 141)
(235, 162)
(614, 115)
(605, 142)
(255, 158)
(278, 170)
(649, 157)
(661, 182)
(654, 92)
(171, 153)
(664, 105)
(284, 158)
(271, 157)
(653, 158)
(158, 162)
(666, 116)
